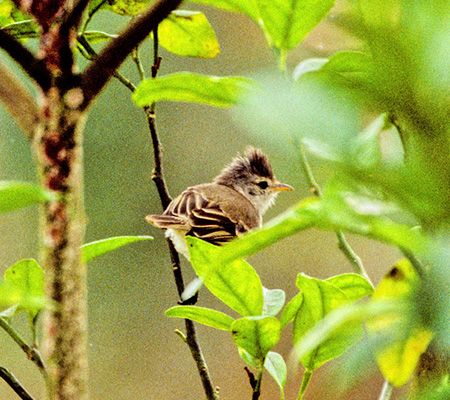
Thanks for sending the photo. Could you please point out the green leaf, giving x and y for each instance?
(273, 301)
(100, 247)
(16, 195)
(205, 316)
(195, 88)
(338, 322)
(289, 21)
(27, 29)
(188, 34)
(26, 279)
(235, 283)
(247, 7)
(354, 286)
(9, 13)
(123, 7)
(275, 365)
(319, 299)
(291, 310)
(352, 64)
(256, 335)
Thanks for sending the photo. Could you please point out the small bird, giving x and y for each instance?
(230, 206)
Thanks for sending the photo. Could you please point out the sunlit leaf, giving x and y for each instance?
(16, 195)
(122, 7)
(188, 33)
(205, 316)
(235, 283)
(352, 285)
(26, 278)
(256, 335)
(27, 29)
(96, 249)
(9, 13)
(289, 21)
(273, 301)
(398, 358)
(195, 88)
(291, 310)
(319, 299)
(276, 367)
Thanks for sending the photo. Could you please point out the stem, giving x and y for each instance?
(35, 68)
(386, 391)
(343, 245)
(90, 15)
(191, 339)
(32, 353)
(257, 388)
(15, 385)
(98, 73)
(305, 382)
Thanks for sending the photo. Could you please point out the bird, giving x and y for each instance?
(228, 207)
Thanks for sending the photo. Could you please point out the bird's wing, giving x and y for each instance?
(199, 216)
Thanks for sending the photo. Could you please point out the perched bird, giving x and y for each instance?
(230, 206)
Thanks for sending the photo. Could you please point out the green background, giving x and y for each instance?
(133, 350)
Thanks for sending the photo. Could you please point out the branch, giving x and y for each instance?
(18, 101)
(73, 19)
(15, 385)
(98, 73)
(32, 353)
(34, 67)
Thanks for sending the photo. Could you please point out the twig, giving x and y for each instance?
(158, 178)
(32, 353)
(343, 245)
(89, 53)
(73, 19)
(98, 73)
(15, 385)
(35, 68)
(257, 387)
(18, 101)
(91, 14)
(386, 391)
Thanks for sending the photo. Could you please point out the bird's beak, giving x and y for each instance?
(280, 187)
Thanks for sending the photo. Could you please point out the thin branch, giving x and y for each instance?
(73, 19)
(89, 53)
(191, 339)
(18, 100)
(343, 245)
(386, 391)
(91, 14)
(257, 388)
(15, 385)
(32, 353)
(34, 67)
(98, 73)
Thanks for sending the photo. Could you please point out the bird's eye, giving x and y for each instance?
(263, 184)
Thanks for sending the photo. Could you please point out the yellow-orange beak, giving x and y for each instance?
(281, 187)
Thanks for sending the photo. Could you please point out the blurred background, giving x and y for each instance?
(133, 350)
